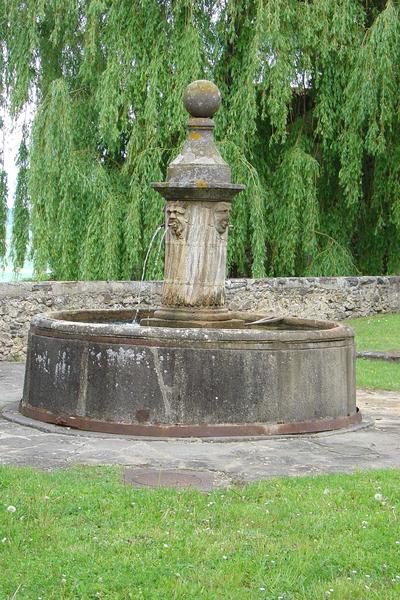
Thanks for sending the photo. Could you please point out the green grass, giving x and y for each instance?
(380, 332)
(377, 374)
(81, 534)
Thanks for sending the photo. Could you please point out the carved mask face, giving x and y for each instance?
(221, 217)
(175, 220)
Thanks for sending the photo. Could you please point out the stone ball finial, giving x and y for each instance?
(202, 98)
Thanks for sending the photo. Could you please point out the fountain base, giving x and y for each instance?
(95, 370)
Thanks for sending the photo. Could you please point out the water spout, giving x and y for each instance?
(153, 238)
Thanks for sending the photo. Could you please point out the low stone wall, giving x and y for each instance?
(319, 297)
(335, 298)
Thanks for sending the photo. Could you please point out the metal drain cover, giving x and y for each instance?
(176, 478)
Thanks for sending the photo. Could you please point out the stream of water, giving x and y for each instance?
(153, 239)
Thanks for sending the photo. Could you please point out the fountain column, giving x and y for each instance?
(198, 193)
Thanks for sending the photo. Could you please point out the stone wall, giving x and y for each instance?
(317, 297)
(320, 297)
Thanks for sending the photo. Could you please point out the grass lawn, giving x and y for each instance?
(377, 374)
(81, 534)
(380, 332)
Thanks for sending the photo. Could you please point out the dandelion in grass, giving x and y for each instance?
(11, 509)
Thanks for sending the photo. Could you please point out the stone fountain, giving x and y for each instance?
(191, 367)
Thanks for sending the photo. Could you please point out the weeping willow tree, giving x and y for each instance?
(310, 122)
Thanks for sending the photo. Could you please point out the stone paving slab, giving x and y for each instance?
(376, 447)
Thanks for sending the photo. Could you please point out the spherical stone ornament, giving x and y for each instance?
(202, 99)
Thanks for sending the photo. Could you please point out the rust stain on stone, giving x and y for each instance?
(205, 87)
(143, 415)
(194, 135)
(204, 430)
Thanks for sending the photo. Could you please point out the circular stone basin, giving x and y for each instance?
(96, 370)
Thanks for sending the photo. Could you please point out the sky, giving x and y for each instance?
(11, 141)
(12, 138)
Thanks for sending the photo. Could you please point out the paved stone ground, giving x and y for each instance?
(375, 447)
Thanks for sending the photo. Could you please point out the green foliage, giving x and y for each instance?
(295, 211)
(309, 122)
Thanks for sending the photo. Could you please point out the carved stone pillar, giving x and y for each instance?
(195, 253)
(198, 191)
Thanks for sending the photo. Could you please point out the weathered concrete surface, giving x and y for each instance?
(87, 371)
(307, 297)
(375, 448)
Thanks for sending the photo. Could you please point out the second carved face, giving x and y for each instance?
(221, 217)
